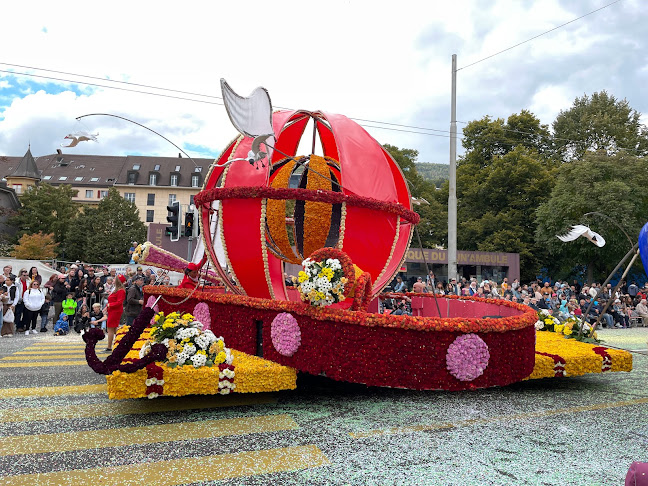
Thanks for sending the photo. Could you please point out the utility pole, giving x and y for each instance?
(452, 193)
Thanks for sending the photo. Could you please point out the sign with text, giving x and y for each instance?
(157, 236)
(415, 255)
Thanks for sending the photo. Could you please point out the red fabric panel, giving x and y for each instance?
(394, 265)
(241, 225)
(289, 139)
(368, 238)
(328, 141)
(356, 147)
(402, 188)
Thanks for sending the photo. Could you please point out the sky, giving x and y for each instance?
(385, 64)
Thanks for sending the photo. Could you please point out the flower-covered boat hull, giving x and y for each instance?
(396, 351)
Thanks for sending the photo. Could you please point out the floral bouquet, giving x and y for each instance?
(322, 282)
(187, 343)
(570, 327)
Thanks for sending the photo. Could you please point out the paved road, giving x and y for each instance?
(58, 427)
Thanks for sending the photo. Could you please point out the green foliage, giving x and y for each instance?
(614, 186)
(599, 122)
(46, 209)
(501, 180)
(437, 174)
(433, 227)
(104, 234)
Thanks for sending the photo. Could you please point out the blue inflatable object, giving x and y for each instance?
(643, 247)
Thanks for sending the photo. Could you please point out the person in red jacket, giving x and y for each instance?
(190, 280)
(115, 309)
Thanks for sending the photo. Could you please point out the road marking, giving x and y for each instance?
(131, 407)
(47, 351)
(53, 348)
(95, 439)
(183, 471)
(52, 391)
(43, 363)
(39, 356)
(498, 418)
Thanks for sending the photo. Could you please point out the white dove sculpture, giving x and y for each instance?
(252, 117)
(582, 230)
(80, 137)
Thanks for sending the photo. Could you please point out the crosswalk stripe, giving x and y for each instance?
(95, 439)
(59, 351)
(131, 407)
(53, 348)
(183, 471)
(23, 358)
(43, 363)
(52, 391)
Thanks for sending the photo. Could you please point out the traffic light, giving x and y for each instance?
(174, 218)
(189, 224)
(192, 226)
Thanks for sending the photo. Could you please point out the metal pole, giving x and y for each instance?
(616, 269)
(452, 190)
(190, 249)
(616, 287)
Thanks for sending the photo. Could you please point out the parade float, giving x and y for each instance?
(345, 215)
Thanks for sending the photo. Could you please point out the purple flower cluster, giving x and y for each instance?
(285, 333)
(467, 357)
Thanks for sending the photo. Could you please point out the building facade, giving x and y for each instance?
(151, 183)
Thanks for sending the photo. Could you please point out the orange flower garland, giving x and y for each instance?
(276, 217)
(317, 215)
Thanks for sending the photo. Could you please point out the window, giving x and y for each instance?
(131, 178)
(17, 188)
(136, 167)
(130, 197)
(150, 200)
(78, 179)
(198, 169)
(174, 179)
(149, 215)
(63, 178)
(47, 178)
(152, 179)
(195, 180)
(94, 179)
(157, 167)
(177, 168)
(191, 200)
(172, 199)
(103, 194)
(89, 193)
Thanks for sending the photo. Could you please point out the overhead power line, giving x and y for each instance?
(539, 35)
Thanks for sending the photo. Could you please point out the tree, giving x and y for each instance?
(600, 122)
(614, 186)
(104, 234)
(38, 246)
(433, 227)
(497, 202)
(486, 138)
(46, 209)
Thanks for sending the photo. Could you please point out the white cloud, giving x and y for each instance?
(379, 61)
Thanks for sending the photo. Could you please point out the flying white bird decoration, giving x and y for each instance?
(252, 117)
(80, 137)
(582, 230)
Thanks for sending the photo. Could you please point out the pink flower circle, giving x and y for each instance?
(285, 333)
(467, 357)
(201, 314)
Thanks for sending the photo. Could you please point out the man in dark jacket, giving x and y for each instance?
(134, 300)
(59, 291)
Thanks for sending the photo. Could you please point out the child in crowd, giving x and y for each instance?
(82, 319)
(62, 326)
(97, 317)
(44, 313)
(70, 305)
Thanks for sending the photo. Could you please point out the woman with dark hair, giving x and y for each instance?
(95, 290)
(81, 293)
(49, 285)
(34, 275)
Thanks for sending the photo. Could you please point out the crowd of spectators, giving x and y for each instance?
(562, 299)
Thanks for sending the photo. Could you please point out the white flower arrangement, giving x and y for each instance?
(321, 283)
